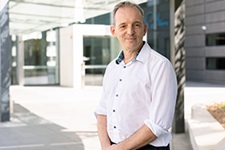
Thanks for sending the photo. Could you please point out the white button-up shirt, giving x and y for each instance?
(140, 92)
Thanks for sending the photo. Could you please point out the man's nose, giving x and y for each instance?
(130, 30)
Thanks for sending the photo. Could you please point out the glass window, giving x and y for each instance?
(96, 57)
(96, 50)
(215, 39)
(158, 20)
(41, 58)
(215, 63)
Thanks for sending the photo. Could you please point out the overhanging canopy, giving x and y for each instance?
(28, 16)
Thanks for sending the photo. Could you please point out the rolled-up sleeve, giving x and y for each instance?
(101, 108)
(164, 92)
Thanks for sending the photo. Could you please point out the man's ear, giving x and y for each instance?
(145, 28)
(112, 30)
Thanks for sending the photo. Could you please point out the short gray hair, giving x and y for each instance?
(126, 4)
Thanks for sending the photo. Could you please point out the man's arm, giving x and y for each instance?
(102, 131)
(140, 138)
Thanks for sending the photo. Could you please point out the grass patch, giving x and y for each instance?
(222, 105)
(218, 112)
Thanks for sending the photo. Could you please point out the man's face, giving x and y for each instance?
(129, 28)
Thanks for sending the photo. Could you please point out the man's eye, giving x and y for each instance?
(137, 25)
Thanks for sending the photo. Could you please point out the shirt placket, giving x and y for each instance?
(118, 94)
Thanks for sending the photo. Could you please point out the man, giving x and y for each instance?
(139, 89)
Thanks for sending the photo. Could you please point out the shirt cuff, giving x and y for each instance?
(156, 129)
(100, 111)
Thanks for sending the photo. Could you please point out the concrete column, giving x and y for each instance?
(20, 63)
(5, 64)
(78, 66)
(71, 56)
(66, 56)
(178, 60)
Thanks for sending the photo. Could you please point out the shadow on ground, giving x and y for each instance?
(27, 131)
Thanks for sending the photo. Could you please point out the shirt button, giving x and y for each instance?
(114, 110)
(117, 95)
(114, 127)
(124, 66)
(120, 79)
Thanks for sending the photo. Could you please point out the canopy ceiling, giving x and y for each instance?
(28, 16)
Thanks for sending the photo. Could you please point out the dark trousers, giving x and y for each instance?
(150, 147)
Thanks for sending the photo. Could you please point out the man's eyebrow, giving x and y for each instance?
(137, 21)
(132, 23)
(123, 23)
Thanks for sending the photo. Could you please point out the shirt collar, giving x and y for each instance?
(143, 54)
(121, 56)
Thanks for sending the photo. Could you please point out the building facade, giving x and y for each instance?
(205, 40)
(77, 54)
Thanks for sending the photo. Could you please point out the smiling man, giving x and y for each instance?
(139, 89)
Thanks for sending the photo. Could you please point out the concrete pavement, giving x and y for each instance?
(205, 132)
(59, 118)
(69, 109)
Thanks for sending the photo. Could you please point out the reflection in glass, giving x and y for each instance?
(158, 20)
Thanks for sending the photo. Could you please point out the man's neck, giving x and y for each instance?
(130, 55)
